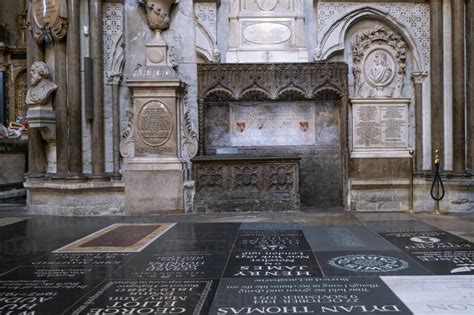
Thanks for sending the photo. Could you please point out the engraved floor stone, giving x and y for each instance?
(435, 294)
(277, 264)
(399, 226)
(271, 240)
(447, 262)
(339, 295)
(368, 263)
(184, 265)
(345, 237)
(126, 237)
(427, 241)
(149, 297)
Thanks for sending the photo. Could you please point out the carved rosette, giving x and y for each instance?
(247, 177)
(48, 20)
(282, 177)
(379, 63)
(210, 179)
(127, 143)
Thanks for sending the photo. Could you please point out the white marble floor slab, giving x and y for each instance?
(430, 295)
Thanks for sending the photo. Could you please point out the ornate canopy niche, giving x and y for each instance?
(278, 111)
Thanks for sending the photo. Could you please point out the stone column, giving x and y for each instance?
(3, 107)
(345, 153)
(114, 81)
(437, 111)
(36, 145)
(470, 83)
(98, 149)
(74, 88)
(202, 131)
(418, 79)
(60, 106)
(459, 161)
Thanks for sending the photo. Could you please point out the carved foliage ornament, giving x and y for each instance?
(48, 20)
(379, 58)
(127, 143)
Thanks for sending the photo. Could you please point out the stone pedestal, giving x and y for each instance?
(153, 173)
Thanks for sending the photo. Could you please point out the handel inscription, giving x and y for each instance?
(272, 124)
(155, 124)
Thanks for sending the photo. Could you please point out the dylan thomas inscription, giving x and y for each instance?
(272, 124)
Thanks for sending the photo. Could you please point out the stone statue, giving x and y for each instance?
(41, 88)
(380, 72)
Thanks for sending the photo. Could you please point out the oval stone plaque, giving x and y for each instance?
(267, 33)
(155, 124)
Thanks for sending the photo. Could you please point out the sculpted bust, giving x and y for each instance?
(380, 72)
(41, 88)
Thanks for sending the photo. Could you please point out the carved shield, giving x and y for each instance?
(304, 125)
(50, 19)
(241, 126)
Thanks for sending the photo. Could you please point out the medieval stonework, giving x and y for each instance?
(261, 105)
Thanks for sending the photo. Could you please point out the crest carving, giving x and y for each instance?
(127, 143)
(379, 58)
(48, 20)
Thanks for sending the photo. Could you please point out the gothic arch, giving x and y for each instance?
(333, 40)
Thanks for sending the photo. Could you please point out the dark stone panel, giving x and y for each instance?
(427, 241)
(339, 295)
(186, 265)
(345, 238)
(379, 168)
(83, 259)
(271, 240)
(46, 290)
(271, 226)
(368, 263)
(149, 297)
(399, 226)
(196, 237)
(278, 264)
(447, 262)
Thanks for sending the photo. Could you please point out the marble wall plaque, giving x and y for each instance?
(435, 294)
(150, 297)
(271, 240)
(268, 33)
(380, 126)
(155, 124)
(338, 295)
(254, 264)
(268, 124)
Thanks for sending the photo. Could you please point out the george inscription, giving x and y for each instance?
(155, 124)
(272, 124)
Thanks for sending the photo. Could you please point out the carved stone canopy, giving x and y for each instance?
(379, 59)
(48, 20)
(234, 82)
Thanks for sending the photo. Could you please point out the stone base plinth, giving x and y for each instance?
(393, 195)
(153, 186)
(82, 199)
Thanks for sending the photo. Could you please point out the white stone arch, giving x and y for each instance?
(205, 43)
(333, 39)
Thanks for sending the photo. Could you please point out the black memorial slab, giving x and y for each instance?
(272, 226)
(259, 264)
(427, 241)
(345, 238)
(46, 290)
(271, 240)
(399, 226)
(447, 262)
(368, 263)
(83, 259)
(339, 295)
(185, 265)
(149, 297)
(187, 237)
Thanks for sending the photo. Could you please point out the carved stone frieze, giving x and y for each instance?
(210, 179)
(48, 20)
(247, 177)
(282, 177)
(127, 143)
(379, 63)
(270, 81)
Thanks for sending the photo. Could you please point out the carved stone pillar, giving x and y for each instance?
(459, 63)
(96, 48)
(436, 76)
(470, 84)
(61, 108)
(418, 79)
(74, 89)
(114, 81)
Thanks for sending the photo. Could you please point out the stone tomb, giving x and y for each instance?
(255, 120)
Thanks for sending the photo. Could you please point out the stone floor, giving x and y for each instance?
(272, 263)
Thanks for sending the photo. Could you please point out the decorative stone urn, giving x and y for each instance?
(158, 17)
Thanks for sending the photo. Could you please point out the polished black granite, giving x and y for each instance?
(232, 268)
